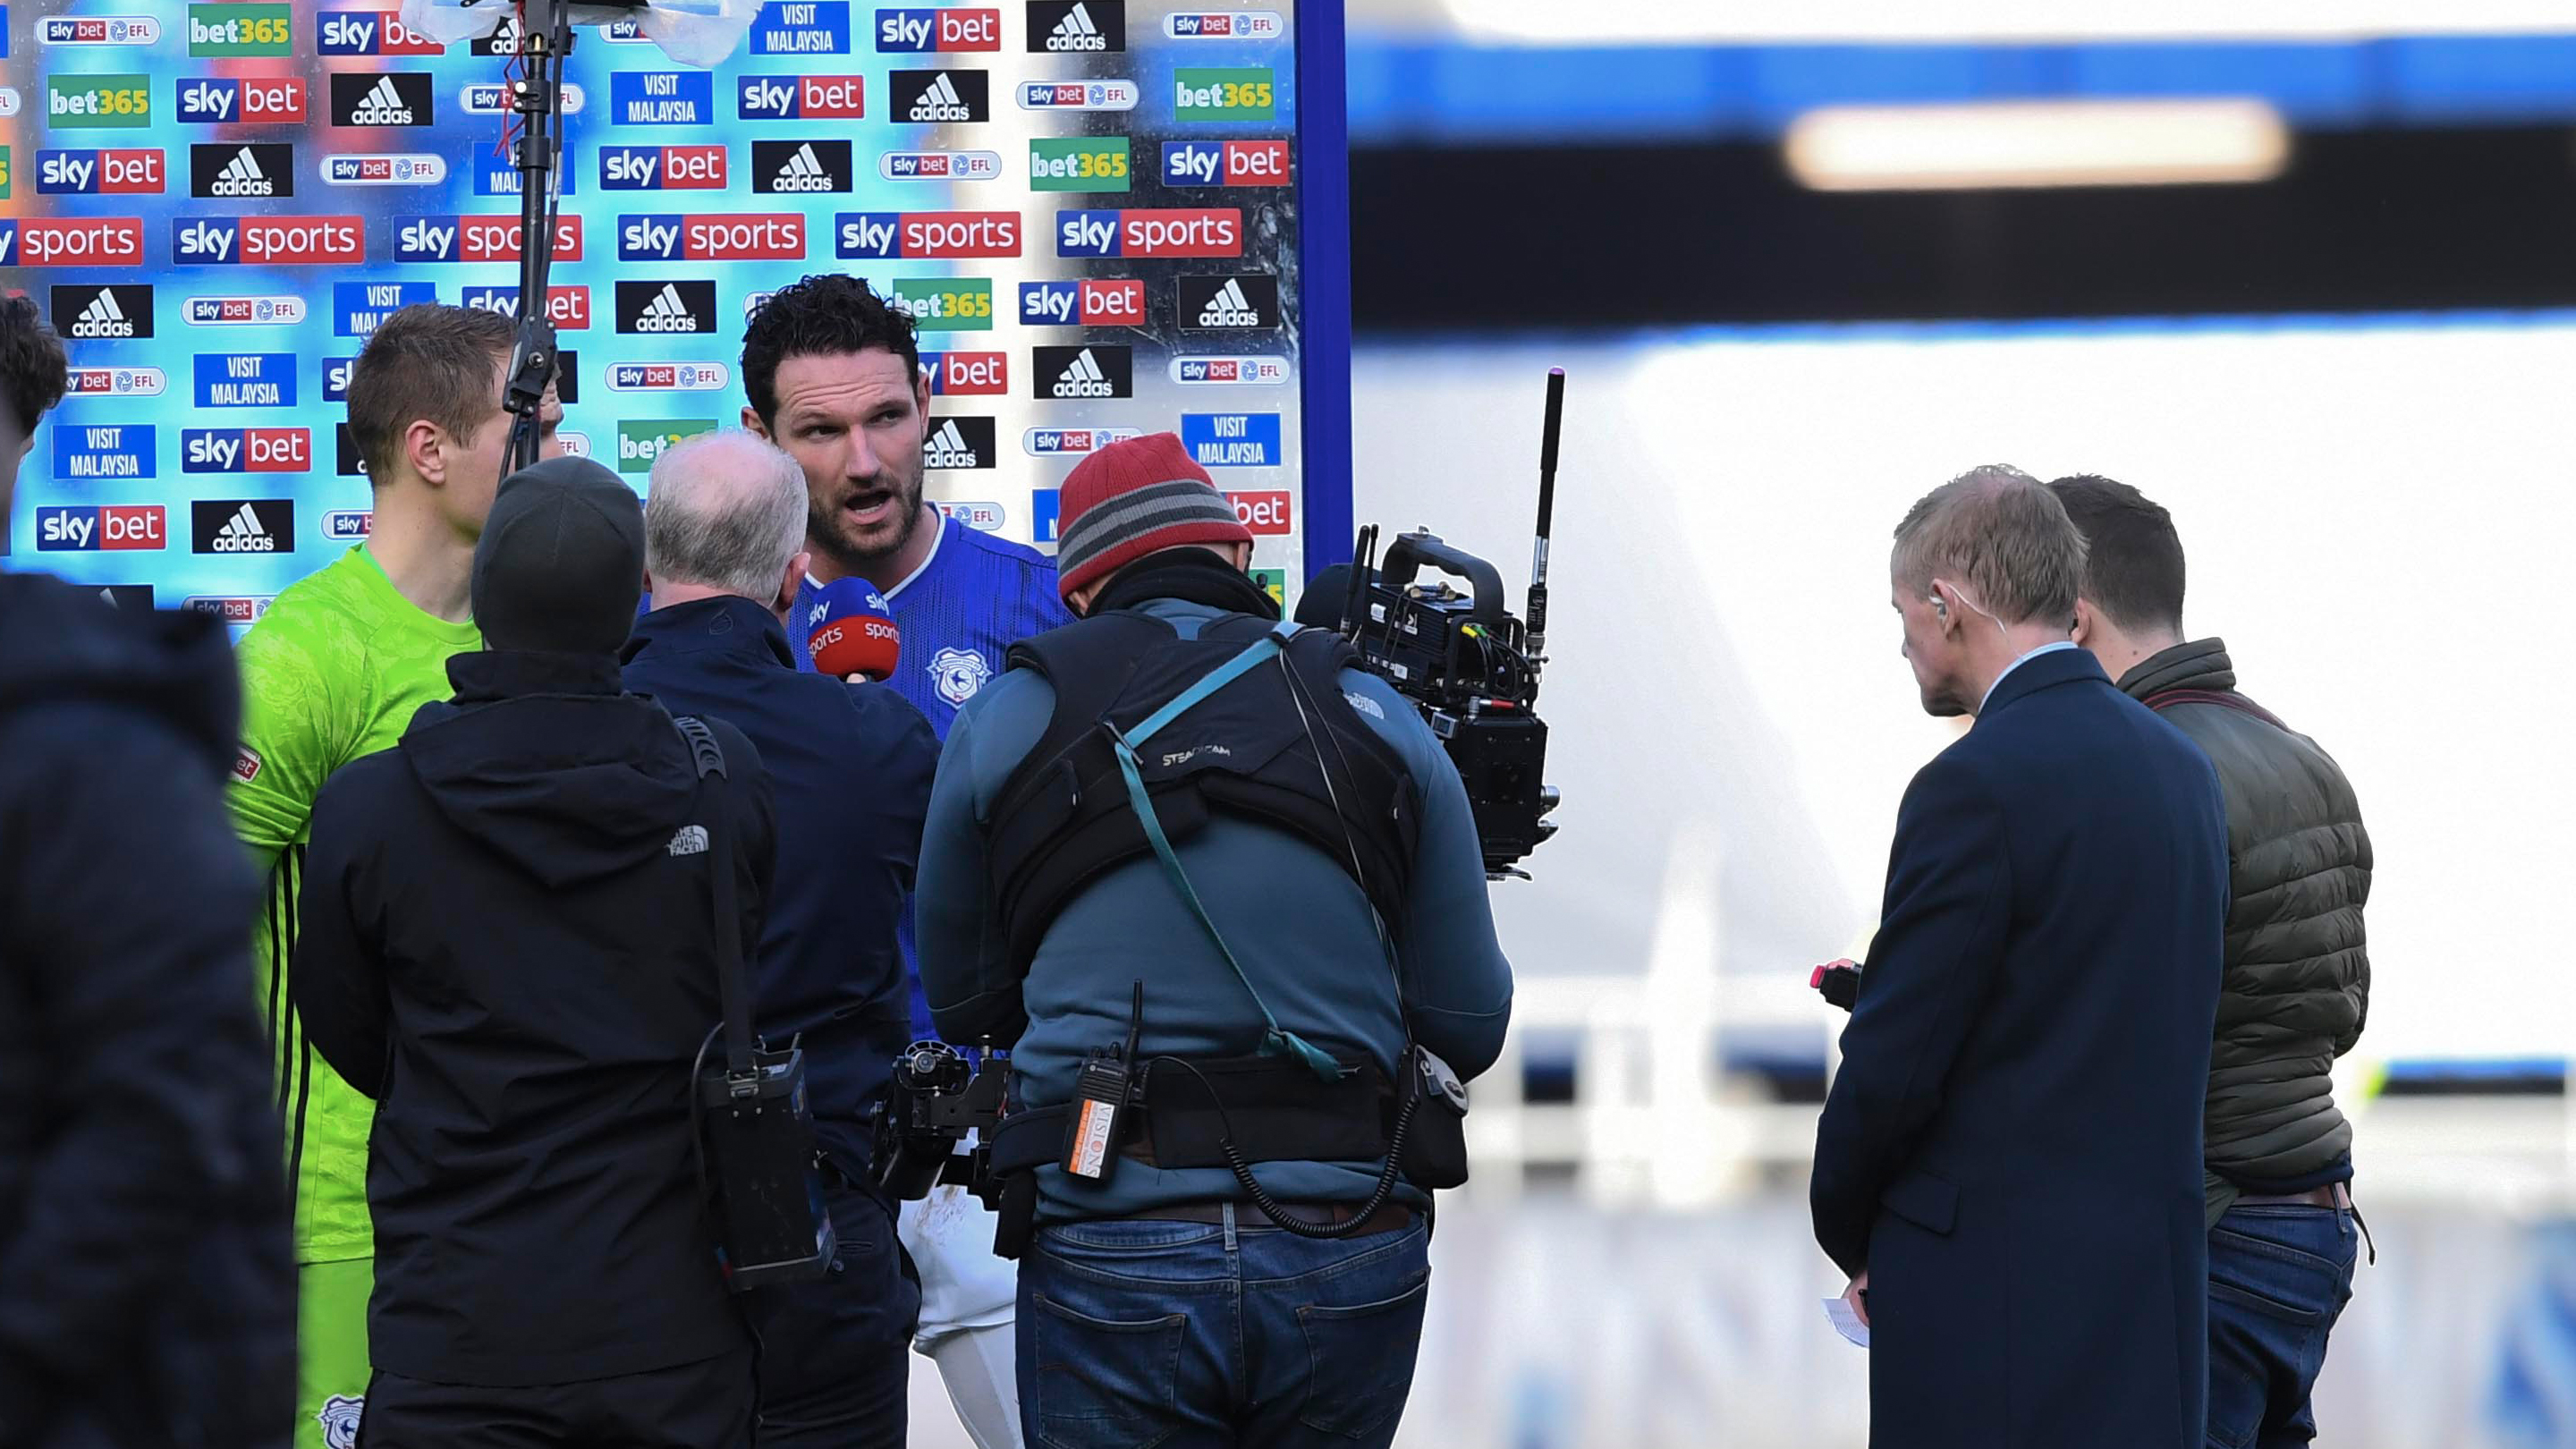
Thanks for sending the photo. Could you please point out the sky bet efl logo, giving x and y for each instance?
(269, 241)
(246, 450)
(800, 98)
(927, 235)
(1159, 233)
(429, 239)
(101, 241)
(100, 173)
(917, 32)
(97, 30)
(372, 32)
(662, 168)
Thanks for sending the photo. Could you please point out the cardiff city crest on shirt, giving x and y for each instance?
(958, 673)
(339, 1418)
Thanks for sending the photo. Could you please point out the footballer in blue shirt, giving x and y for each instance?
(834, 375)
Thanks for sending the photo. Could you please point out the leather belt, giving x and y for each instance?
(2332, 1195)
(1386, 1219)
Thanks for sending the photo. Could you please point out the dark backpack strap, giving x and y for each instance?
(708, 757)
(2164, 699)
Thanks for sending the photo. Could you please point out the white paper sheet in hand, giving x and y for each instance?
(1845, 1322)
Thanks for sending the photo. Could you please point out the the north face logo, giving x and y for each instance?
(689, 840)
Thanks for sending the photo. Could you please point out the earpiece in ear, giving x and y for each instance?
(1940, 607)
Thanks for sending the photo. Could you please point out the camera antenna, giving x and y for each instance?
(1546, 514)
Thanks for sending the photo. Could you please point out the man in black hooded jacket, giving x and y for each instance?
(508, 941)
(147, 1282)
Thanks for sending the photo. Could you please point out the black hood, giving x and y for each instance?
(544, 760)
(61, 643)
(2199, 664)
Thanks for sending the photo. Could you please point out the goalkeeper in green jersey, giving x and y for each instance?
(332, 671)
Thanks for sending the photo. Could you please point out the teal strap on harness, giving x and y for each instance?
(1277, 1041)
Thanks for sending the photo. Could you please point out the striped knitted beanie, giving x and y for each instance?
(1133, 498)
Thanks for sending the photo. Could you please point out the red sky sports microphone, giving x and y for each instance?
(849, 630)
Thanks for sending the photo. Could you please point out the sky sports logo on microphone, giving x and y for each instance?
(800, 98)
(1158, 233)
(926, 235)
(246, 450)
(269, 241)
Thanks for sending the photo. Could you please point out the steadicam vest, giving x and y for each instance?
(1249, 750)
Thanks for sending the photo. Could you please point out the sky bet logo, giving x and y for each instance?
(103, 310)
(1077, 27)
(97, 30)
(410, 169)
(269, 241)
(799, 166)
(938, 97)
(1090, 302)
(967, 374)
(1161, 233)
(119, 450)
(246, 450)
(802, 27)
(1236, 370)
(85, 530)
(662, 168)
(800, 98)
(99, 173)
(638, 444)
(358, 308)
(274, 310)
(667, 376)
(567, 308)
(940, 165)
(246, 380)
(80, 102)
(394, 98)
(72, 242)
(115, 382)
(662, 98)
(919, 32)
(372, 32)
(428, 239)
(249, 101)
(1082, 372)
(927, 235)
(1225, 163)
(1226, 25)
(754, 237)
(261, 169)
(1099, 95)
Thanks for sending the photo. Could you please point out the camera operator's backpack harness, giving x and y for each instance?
(1059, 825)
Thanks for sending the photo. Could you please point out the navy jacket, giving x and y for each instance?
(147, 1280)
(851, 767)
(2012, 1144)
(1295, 919)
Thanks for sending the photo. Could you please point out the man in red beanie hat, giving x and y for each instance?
(1181, 840)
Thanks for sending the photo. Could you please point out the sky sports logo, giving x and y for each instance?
(959, 442)
(799, 167)
(88, 530)
(567, 308)
(666, 307)
(248, 101)
(242, 525)
(800, 98)
(967, 374)
(358, 308)
(1090, 302)
(711, 237)
(253, 169)
(371, 32)
(391, 169)
(103, 311)
(662, 98)
(926, 235)
(438, 239)
(273, 310)
(1158, 233)
(940, 165)
(114, 450)
(394, 98)
(662, 168)
(922, 32)
(1091, 371)
(71, 242)
(1077, 27)
(116, 172)
(271, 241)
(246, 450)
(939, 97)
(1228, 304)
(1225, 163)
(245, 379)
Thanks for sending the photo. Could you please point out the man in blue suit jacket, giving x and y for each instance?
(2009, 1163)
(851, 765)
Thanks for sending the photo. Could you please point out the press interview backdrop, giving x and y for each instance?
(1107, 216)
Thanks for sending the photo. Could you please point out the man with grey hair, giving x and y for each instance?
(724, 533)
(2008, 1163)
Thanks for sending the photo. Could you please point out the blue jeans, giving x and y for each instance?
(2279, 1274)
(1201, 1335)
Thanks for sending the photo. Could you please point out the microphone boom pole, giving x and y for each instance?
(545, 42)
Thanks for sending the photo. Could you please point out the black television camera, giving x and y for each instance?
(933, 1099)
(1464, 661)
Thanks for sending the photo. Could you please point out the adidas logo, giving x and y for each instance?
(1082, 377)
(1076, 32)
(939, 102)
(242, 533)
(241, 176)
(689, 840)
(103, 317)
(948, 448)
(804, 171)
(1229, 308)
(382, 107)
(667, 313)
